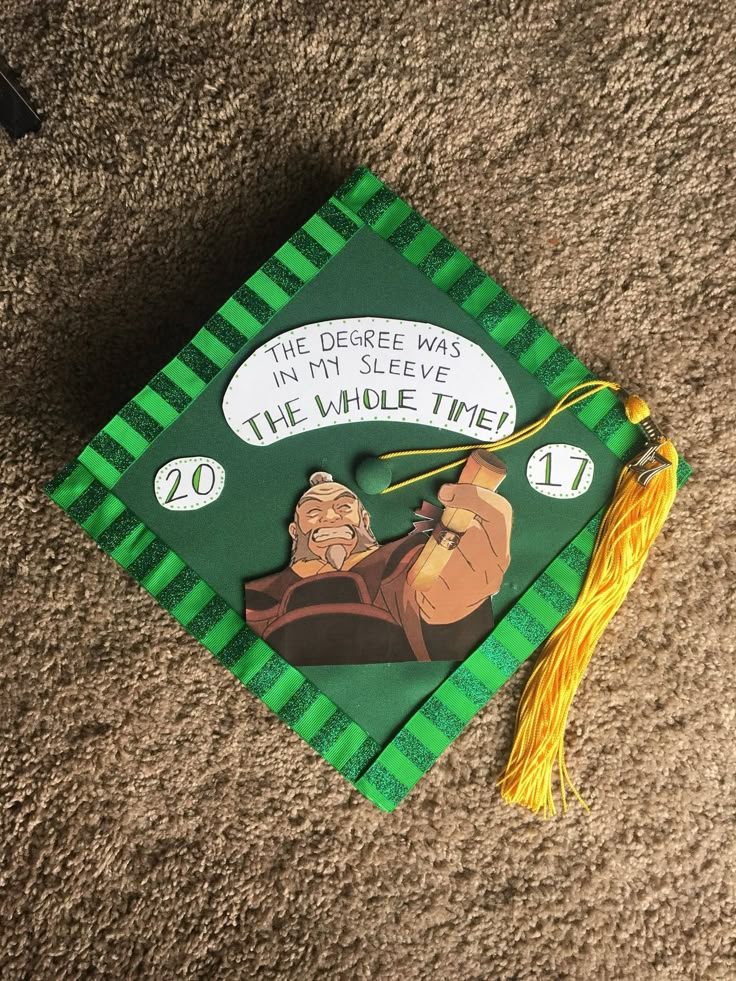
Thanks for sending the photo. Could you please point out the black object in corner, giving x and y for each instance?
(16, 113)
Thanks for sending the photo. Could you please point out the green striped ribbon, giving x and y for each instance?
(212, 621)
(250, 308)
(445, 714)
(505, 320)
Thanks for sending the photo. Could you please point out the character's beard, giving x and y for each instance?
(336, 555)
(336, 552)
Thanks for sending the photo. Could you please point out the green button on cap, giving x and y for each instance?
(373, 475)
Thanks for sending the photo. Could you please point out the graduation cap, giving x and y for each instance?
(372, 485)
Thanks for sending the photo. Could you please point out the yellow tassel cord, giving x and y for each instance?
(575, 395)
(641, 502)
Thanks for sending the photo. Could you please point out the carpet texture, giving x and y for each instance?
(153, 825)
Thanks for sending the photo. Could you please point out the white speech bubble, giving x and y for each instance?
(189, 483)
(368, 369)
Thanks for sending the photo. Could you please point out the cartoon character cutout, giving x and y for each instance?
(345, 598)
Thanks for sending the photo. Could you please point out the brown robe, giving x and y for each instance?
(357, 615)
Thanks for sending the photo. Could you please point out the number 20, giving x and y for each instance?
(196, 483)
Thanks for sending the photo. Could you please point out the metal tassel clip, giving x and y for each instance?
(649, 462)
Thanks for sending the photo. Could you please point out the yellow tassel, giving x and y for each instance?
(641, 502)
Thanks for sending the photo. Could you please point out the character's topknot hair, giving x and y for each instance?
(321, 477)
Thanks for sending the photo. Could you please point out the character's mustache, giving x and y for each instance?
(341, 533)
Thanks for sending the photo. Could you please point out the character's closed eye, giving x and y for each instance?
(344, 508)
(314, 513)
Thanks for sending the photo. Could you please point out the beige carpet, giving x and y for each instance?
(160, 823)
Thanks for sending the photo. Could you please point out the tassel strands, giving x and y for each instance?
(642, 499)
(641, 502)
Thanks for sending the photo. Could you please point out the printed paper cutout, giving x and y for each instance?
(560, 470)
(189, 483)
(368, 369)
(347, 599)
